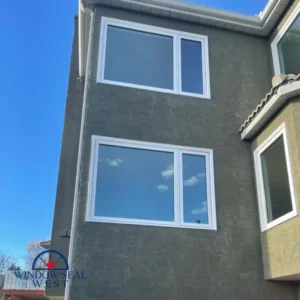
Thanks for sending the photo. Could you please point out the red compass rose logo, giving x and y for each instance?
(50, 260)
(50, 264)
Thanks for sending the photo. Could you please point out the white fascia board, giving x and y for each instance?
(283, 94)
(80, 46)
(199, 11)
(256, 25)
(82, 25)
(272, 10)
(263, 15)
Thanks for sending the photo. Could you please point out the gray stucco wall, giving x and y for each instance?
(145, 263)
(68, 160)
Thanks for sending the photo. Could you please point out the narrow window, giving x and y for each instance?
(286, 45)
(191, 66)
(289, 49)
(153, 58)
(143, 183)
(274, 180)
(195, 208)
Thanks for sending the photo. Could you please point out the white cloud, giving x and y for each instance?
(194, 179)
(201, 210)
(168, 173)
(113, 162)
(191, 181)
(162, 188)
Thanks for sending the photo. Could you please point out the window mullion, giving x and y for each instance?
(205, 79)
(208, 188)
(176, 54)
(177, 187)
(180, 185)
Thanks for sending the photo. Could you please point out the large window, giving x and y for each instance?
(143, 183)
(274, 180)
(286, 46)
(148, 57)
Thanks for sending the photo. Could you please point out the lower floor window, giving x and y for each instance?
(143, 183)
(274, 180)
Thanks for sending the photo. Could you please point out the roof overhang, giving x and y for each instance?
(260, 25)
(283, 94)
(46, 244)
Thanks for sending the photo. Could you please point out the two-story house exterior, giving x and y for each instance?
(159, 196)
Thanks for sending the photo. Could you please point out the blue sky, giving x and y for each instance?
(35, 54)
(35, 51)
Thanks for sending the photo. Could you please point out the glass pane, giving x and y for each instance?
(139, 58)
(135, 184)
(191, 66)
(194, 189)
(289, 49)
(276, 182)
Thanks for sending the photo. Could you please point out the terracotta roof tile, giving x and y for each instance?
(261, 105)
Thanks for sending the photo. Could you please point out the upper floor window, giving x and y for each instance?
(286, 46)
(134, 182)
(153, 58)
(274, 180)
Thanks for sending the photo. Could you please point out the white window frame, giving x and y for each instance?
(262, 203)
(178, 183)
(279, 36)
(177, 36)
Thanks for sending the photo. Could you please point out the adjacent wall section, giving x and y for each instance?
(281, 244)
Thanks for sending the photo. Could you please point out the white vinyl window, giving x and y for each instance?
(133, 182)
(286, 46)
(275, 189)
(153, 58)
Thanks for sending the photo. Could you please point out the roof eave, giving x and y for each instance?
(83, 28)
(46, 244)
(80, 46)
(260, 25)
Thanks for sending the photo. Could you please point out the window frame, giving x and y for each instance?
(177, 151)
(177, 36)
(279, 36)
(265, 225)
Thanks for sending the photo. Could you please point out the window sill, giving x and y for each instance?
(280, 220)
(150, 223)
(154, 89)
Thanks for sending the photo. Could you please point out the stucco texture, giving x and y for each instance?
(130, 262)
(281, 244)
